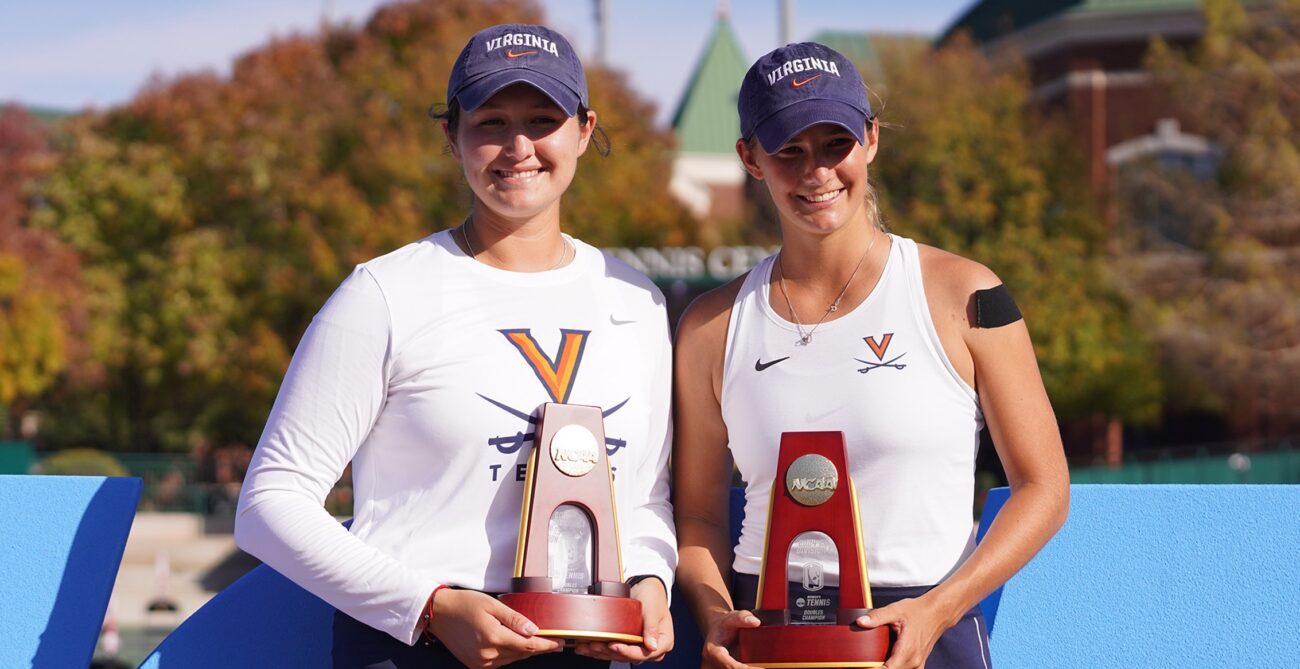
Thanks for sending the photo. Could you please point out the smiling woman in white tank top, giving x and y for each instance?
(854, 330)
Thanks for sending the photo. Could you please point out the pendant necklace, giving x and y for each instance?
(806, 336)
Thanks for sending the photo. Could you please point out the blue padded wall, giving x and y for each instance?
(261, 620)
(61, 538)
(265, 620)
(1157, 576)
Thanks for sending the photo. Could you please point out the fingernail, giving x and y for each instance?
(751, 620)
(530, 629)
(864, 620)
(652, 642)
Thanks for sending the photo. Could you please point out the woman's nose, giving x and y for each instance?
(519, 147)
(818, 173)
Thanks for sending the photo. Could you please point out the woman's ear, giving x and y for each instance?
(747, 159)
(585, 131)
(873, 139)
(451, 138)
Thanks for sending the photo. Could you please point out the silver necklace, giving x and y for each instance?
(464, 234)
(805, 337)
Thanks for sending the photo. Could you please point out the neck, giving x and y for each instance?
(518, 245)
(824, 262)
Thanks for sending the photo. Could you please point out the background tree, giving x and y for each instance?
(216, 215)
(39, 280)
(967, 165)
(1211, 257)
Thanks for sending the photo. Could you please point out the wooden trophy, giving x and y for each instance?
(568, 471)
(812, 494)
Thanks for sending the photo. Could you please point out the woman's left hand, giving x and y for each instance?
(917, 624)
(657, 629)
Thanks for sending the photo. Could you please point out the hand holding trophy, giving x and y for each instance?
(815, 496)
(568, 520)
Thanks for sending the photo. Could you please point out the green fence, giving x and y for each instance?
(1201, 465)
(16, 457)
(174, 482)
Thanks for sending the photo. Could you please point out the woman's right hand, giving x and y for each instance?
(722, 638)
(482, 632)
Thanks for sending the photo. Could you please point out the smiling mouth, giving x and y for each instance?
(821, 197)
(518, 174)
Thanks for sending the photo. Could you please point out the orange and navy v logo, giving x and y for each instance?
(879, 349)
(796, 83)
(556, 375)
(510, 53)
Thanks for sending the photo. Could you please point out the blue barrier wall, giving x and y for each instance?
(61, 538)
(265, 620)
(1140, 576)
(262, 620)
(1157, 576)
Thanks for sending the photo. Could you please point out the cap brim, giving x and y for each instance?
(475, 93)
(774, 131)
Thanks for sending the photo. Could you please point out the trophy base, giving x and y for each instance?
(574, 617)
(811, 646)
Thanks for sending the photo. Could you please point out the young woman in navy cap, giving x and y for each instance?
(906, 349)
(426, 369)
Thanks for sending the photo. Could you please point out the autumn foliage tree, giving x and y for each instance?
(215, 215)
(40, 315)
(967, 164)
(1211, 257)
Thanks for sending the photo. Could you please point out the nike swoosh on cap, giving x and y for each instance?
(797, 84)
(510, 53)
(759, 365)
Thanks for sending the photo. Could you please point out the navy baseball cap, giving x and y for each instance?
(798, 86)
(515, 53)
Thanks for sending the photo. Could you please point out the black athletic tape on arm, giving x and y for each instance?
(994, 307)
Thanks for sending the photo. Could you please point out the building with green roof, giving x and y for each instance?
(707, 175)
(991, 19)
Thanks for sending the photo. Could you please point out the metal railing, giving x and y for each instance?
(172, 482)
(1225, 462)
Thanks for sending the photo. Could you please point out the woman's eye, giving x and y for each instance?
(789, 151)
(545, 120)
(491, 122)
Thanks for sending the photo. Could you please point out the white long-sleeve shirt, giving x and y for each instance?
(425, 370)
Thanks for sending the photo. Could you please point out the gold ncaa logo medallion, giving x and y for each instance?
(573, 450)
(811, 479)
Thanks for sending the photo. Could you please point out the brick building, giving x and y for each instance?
(1085, 59)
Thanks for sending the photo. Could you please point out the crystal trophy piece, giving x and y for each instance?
(568, 570)
(812, 522)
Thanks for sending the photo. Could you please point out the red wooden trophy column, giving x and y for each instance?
(821, 498)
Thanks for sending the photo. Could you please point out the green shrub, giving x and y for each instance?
(83, 462)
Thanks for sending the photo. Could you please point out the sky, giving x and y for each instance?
(70, 54)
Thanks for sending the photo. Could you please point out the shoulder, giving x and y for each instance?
(412, 259)
(951, 281)
(704, 323)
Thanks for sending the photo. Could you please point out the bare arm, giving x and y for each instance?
(1028, 442)
(702, 472)
(1000, 363)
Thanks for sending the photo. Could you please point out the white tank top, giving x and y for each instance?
(879, 375)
